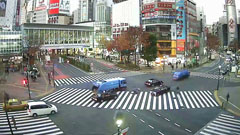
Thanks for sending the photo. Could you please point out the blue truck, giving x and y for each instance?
(105, 90)
(181, 74)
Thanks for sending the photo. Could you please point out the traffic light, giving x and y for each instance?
(25, 82)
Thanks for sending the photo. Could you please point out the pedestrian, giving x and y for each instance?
(172, 67)
(49, 78)
(228, 96)
(176, 64)
(14, 122)
(184, 65)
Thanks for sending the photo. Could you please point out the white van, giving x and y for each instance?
(40, 108)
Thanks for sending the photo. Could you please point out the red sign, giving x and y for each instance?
(180, 45)
(53, 7)
(164, 5)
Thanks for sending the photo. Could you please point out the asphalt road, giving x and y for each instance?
(76, 120)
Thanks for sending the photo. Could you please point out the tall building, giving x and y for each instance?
(40, 13)
(59, 12)
(86, 10)
(76, 16)
(160, 19)
(125, 14)
(238, 18)
(9, 14)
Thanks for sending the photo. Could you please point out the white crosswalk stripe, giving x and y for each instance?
(91, 78)
(27, 125)
(142, 101)
(224, 124)
(206, 75)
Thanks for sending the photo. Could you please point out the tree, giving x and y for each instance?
(213, 43)
(150, 52)
(103, 42)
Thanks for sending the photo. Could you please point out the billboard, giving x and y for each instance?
(3, 6)
(41, 4)
(64, 7)
(181, 27)
(53, 7)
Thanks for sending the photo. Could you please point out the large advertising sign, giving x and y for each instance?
(18, 13)
(53, 7)
(41, 5)
(3, 6)
(64, 7)
(181, 28)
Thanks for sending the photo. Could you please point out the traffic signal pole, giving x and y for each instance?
(29, 95)
(6, 111)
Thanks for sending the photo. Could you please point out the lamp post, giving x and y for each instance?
(119, 123)
(219, 68)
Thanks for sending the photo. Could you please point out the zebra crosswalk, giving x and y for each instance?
(205, 75)
(27, 125)
(224, 124)
(85, 79)
(142, 101)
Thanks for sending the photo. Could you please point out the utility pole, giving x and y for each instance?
(6, 98)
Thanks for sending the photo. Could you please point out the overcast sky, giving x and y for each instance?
(212, 8)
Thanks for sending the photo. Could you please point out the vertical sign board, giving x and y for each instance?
(64, 7)
(181, 28)
(18, 13)
(3, 6)
(53, 7)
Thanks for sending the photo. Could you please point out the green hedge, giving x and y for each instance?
(128, 66)
(81, 65)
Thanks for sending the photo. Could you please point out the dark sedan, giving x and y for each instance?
(153, 82)
(160, 90)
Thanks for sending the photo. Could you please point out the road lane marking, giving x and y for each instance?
(211, 98)
(89, 105)
(130, 107)
(160, 102)
(59, 95)
(138, 101)
(154, 103)
(84, 94)
(175, 102)
(173, 94)
(177, 124)
(125, 105)
(209, 92)
(68, 96)
(166, 119)
(199, 101)
(109, 103)
(224, 127)
(165, 101)
(170, 101)
(227, 115)
(144, 100)
(185, 101)
(142, 120)
(222, 120)
(89, 96)
(225, 124)
(121, 102)
(151, 126)
(193, 99)
(78, 96)
(48, 96)
(180, 100)
(160, 133)
(89, 100)
(134, 115)
(207, 99)
(158, 114)
(117, 100)
(229, 119)
(95, 105)
(188, 130)
(214, 132)
(73, 96)
(189, 99)
(149, 101)
(202, 99)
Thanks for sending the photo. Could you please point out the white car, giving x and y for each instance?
(40, 108)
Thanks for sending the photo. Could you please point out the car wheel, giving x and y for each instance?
(35, 115)
(53, 112)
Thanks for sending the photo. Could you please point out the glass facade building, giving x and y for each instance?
(50, 36)
(10, 42)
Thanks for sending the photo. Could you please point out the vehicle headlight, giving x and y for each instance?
(99, 95)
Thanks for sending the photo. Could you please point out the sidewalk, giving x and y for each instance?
(14, 86)
(233, 104)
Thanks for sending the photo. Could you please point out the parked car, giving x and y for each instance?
(135, 90)
(153, 82)
(160, 90)
(40, 108)
(15, 105)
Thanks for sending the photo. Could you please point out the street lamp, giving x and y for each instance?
(219, 68)
(119, 123)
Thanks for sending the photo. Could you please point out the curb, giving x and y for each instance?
(221, 103)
